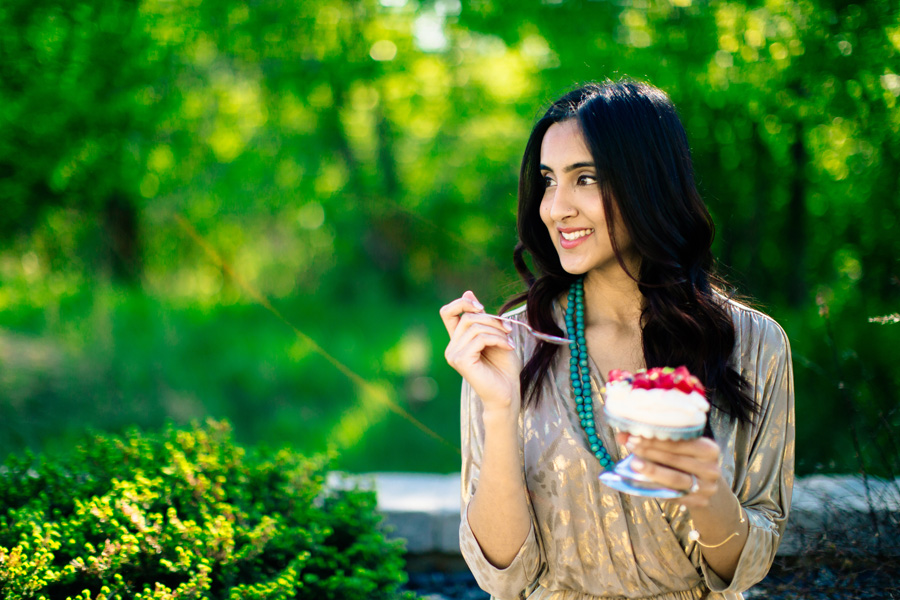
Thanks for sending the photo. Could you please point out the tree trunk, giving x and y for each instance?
(758, 273)
(123, 242)
(796, 225)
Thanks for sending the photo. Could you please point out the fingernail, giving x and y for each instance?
(511, 343)
(637, 464)
(631, 442)
(478, 304)
(507, 327)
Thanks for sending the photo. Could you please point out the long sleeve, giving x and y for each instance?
(763, 465)
(524, 569)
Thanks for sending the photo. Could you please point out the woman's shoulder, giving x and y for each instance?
(752, 327)
(525, 344)
(519, 313)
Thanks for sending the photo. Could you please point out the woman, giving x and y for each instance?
(610, 214)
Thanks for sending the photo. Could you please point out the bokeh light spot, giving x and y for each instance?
(383, 50)
(149, 185)
(311, 216)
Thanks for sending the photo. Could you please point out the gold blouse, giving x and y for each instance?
(589, 541)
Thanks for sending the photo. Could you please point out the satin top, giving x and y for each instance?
(587, 540)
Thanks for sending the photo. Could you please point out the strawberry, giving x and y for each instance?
(684, 384)
(698, 387)
(619, 375)
(665, 381)
(642, 383)
(664, 378)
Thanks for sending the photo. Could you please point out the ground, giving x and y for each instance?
(809, 577)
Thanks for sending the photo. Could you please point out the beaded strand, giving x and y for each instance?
(579, 372)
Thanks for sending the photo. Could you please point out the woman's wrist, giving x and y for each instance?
(721, 530)
(721, 521)
(502, 410)
(500, 416)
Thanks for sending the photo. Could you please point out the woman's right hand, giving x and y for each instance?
(481, 351)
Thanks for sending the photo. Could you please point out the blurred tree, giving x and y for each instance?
(82, 90)
(354, 150)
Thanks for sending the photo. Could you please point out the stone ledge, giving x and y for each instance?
(846, 512)
(827, 512)
(422, 508)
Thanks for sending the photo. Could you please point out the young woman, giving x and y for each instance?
(620, 240)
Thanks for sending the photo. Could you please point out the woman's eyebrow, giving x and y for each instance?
(570, 168)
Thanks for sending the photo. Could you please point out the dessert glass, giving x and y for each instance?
(623, 478)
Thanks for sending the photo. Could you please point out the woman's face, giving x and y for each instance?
(572, 208)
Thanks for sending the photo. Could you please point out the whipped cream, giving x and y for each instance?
(665, 408)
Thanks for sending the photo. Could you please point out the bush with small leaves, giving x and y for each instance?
(187, 514)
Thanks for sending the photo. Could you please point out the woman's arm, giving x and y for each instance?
(480, 350)
(763, 466)
(508, 580)
(498, 512)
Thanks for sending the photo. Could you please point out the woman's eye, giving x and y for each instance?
(587, 180)
(548, 181)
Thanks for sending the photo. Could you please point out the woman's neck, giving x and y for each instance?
(612, 298)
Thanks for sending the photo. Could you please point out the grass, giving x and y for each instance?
(109, 359)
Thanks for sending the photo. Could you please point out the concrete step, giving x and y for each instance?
(828, 512)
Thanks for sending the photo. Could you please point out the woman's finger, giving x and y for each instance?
(674, 478)
(480, 322)
(703, 469)
(701, 448)
(472, 338)
(482, 319)
(475, 351)
(451, 312)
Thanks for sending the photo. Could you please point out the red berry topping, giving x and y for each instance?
(642, 384)
(684, 385)
(666, 381)
(665, 378)
(698, 387)
(618, 375)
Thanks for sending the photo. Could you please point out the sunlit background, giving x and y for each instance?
(253, 210)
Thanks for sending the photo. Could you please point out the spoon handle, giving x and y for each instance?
(553, 339)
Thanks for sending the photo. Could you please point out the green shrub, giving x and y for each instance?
(187, 514)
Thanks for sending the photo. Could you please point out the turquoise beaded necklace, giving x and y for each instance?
(579, 372)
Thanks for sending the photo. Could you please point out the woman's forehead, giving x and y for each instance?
(564, 145)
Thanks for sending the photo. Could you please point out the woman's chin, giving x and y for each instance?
(574, 270)
(608, 268)
(582, 267)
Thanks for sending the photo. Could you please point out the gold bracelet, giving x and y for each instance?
(694, 535)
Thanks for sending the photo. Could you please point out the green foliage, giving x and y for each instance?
(187, 514)
(352, 159)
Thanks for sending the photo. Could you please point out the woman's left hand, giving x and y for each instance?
(673, 463)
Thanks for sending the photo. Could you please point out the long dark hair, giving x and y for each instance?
(643, 165)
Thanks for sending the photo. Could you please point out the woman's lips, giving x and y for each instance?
(576, 236)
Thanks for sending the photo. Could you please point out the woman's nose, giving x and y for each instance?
(561, 206)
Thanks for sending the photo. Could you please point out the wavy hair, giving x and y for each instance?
(643, 165)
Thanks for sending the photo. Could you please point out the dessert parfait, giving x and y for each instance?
(665, 403)
(661, 403)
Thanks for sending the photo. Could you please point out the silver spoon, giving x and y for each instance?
(550, 339)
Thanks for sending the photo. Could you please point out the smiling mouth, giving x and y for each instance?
(571, 236)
